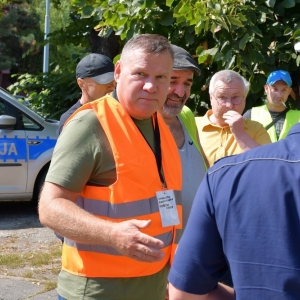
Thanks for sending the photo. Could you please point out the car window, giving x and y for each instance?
(2, 108)
(29, 124)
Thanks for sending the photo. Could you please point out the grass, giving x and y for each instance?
(49, 286)
(38, 259)
(11, 260)
(28, 275)
(42, 266)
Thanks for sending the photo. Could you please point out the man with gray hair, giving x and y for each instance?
(222, 130)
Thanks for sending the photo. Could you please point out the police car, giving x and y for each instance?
(26, 146)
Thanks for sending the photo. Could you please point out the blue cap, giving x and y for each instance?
(280, 75)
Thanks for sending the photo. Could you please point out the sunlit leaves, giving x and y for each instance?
(252, 37)
(235, 21)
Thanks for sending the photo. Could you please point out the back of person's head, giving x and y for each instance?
(227, 76)
(183, 60)
(96, 66)
(149, 44)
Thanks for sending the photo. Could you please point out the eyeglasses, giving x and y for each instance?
(222, 101)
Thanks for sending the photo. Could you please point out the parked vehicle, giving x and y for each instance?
(26, 146)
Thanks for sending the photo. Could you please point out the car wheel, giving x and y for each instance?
(38, 185)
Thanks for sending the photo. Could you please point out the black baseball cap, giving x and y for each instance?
(96, 66)
(183, 60)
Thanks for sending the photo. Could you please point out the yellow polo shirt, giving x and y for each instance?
(218, 142)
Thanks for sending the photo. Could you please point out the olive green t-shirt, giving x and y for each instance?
(83, 156)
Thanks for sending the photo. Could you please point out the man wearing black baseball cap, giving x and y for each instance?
(95, 77)
(276, 117)
(181, 123)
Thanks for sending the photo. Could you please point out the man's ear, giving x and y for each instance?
(117, 70)
(210, 98)
(81, 83)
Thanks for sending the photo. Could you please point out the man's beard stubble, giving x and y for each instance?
(173, 108)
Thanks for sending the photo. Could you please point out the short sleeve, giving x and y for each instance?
(77, 152)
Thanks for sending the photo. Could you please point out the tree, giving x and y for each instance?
(250, 37)
(53, 93)
(19, 34)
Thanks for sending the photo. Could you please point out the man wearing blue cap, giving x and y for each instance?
(274, 115)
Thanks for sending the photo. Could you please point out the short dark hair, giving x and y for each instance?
(149, 43)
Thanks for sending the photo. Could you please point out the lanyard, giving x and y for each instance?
(157, 149)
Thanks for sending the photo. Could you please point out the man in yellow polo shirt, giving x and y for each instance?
(222, 130)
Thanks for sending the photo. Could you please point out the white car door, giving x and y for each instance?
(13, 157)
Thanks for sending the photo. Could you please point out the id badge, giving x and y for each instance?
(167, 208)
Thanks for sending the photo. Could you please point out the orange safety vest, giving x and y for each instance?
(132, 196)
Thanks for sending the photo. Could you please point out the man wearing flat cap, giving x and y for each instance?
(275, 116)
(181, 123)
(95, 77)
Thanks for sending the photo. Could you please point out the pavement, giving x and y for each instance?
(15, 288)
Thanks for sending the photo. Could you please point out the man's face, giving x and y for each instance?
(276, 94)
(143, 80)
(178, 93)
(94, 90)
(222, 90)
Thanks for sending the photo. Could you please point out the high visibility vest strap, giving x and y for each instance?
(188, 119)
(262, 115)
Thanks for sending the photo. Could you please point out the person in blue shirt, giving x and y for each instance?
(246, 214)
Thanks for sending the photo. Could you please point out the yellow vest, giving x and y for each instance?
(261, 114)
(132, 196)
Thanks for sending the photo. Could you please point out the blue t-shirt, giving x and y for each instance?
(246, 213)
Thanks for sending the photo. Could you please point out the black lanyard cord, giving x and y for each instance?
(157, 151)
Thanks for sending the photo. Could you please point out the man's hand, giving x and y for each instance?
(235, 122)
(128, 240)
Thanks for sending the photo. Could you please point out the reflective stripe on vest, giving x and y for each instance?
(262, 115)
(132, 196)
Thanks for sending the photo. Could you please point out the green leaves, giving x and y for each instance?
(288, 3)
(243, 41)
(169, 2)
(250, 36)
(235, 21)
(204, 55)
(167, 18)
(296, 34)
(270, 3)
(87, 11)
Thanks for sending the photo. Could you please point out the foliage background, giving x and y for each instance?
(250, 37)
